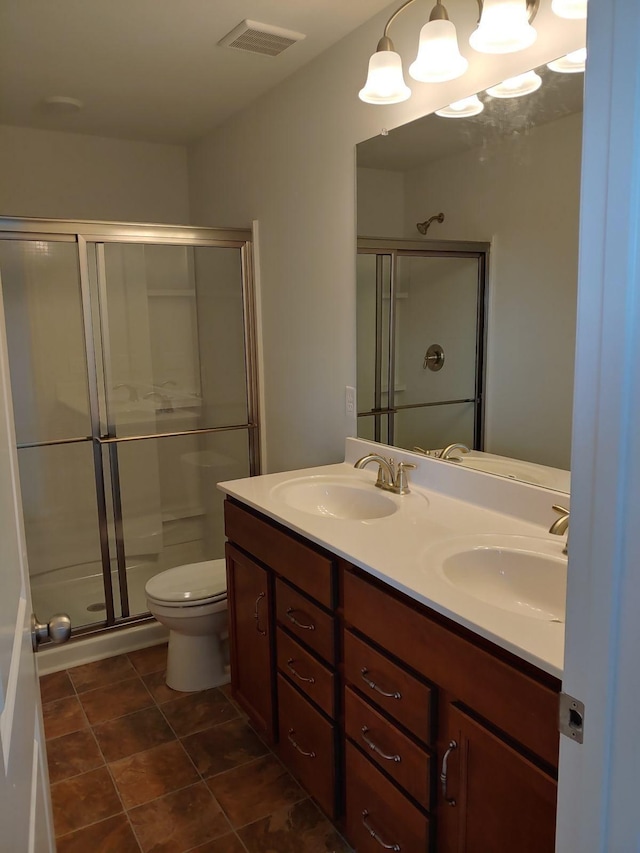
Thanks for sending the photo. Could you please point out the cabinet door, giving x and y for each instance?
(251, 631)
(492, 799)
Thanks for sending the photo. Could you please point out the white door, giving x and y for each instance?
(25, 813)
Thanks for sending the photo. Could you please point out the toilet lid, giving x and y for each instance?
(191, 582)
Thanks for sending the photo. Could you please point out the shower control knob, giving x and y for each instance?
(57, 629)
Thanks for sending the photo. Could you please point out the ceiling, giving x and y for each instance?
(432, 138)
(152, 69)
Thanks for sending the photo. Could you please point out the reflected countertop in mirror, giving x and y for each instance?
(508, 178)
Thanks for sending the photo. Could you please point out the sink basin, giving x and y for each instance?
(335, 497)
(522, 575)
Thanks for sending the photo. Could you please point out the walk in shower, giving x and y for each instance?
(132, 359)
(421, 309)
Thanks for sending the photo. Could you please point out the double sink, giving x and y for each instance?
(525, 575)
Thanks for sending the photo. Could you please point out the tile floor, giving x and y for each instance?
(136, 767)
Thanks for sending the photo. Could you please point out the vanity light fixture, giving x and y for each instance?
(516, 87)
(572, 63)
(569, 8)
(504, 27)
(465, 108)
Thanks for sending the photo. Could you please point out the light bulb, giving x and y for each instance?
(572, 63)
(503, 28)
(569, 8)
(439, 57)
(516, 87)
(465, 108)
(385, 83)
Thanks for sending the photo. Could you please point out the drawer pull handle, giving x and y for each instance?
(395, 847)
(256, 615)
(443, 773)
(291, 740)
(297, 674)
(374, 748)
(293, 619)
(364, 673)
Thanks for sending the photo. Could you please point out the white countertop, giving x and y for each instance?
(446, 502)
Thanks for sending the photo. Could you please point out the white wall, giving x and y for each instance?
(69, 176)
(289, 161)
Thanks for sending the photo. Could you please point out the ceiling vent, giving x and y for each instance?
(260, 38)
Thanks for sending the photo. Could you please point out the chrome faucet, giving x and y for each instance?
(390, 478)
(445, 453)
(561, 525)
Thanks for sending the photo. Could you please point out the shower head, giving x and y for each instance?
(423, 227)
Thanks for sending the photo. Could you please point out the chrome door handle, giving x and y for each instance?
(443, 773)
(363, 674)
(372, 832)
(290, 667)
(256, 615)
(293, 620)
(293, 743)
(364, 731)
(57, 629)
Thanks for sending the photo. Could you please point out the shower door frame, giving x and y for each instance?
(84, 234)
(397, 248)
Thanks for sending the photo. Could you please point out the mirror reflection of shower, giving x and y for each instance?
(423, 227)
(130, 359)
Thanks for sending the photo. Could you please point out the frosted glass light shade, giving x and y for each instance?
(465, 108)
(385, 83)
(439, 57)
(572, 63)
(503, 28)
(569, 8)
(516, 87)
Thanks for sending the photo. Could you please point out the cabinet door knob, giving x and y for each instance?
(374, 834)
(443, 773)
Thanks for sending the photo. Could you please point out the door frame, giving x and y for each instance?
(599, 779)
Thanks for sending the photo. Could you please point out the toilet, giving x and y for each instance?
(191, 601)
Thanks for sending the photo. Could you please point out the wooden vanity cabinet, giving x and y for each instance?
(496, 750)
(407, 729)
(292, 642)
(249, 593)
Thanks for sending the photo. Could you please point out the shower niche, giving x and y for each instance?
(133, 374)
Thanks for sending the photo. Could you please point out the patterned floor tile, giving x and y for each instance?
(152, 659)
(133, 733)
(115, 700)
(109, 836)
(146, 775)
(198, 711)
(101, 672)
(224, 747)
(73, 754)
(83, 800)
(296, 829)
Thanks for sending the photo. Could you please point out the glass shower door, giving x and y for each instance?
(43, 305)
(175, 413)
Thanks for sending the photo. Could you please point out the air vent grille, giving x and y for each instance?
(260, 38)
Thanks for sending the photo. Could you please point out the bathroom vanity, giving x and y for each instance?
(414, 728)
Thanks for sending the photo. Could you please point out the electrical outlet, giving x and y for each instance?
(350, 400)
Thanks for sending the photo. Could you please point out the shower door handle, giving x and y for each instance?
(57, 629)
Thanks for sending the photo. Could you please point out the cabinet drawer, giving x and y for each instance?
(307, 621)
(306, 671)
(519, 704)
(378, 815)
(307, 568)
(307, 745)
(395, 691)
(394, 752)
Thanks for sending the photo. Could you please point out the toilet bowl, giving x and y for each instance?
(191, 601)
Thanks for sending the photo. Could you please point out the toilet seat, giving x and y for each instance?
(193, 584)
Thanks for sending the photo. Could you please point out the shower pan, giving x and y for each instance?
(133, 374)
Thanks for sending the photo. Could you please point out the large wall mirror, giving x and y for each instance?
(492, 282)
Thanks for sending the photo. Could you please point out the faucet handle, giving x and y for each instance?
(401, 483)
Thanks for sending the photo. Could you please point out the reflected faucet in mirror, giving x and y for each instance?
(446, 452)
(133, 393)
